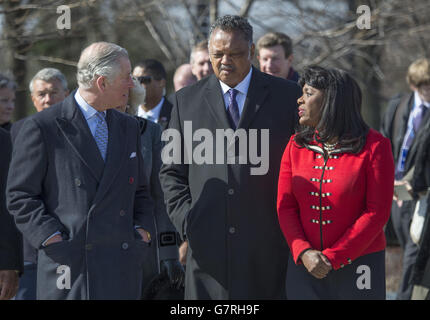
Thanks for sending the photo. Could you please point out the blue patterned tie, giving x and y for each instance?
(101, 134)
(233, 108)
(417, 118)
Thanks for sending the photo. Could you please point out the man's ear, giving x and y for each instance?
(290, 58)
(101, 83)
(252, 51)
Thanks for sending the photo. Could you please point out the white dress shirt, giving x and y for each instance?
(241, 87)
(88, 112)
(152, 114)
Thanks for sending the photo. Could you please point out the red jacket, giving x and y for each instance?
(339, 208)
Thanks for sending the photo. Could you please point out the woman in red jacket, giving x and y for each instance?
(334, 194)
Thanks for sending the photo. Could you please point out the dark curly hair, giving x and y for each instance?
(340, 113)
(233, 23)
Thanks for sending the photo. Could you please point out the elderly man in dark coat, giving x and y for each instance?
(218, 195)
(77, 186)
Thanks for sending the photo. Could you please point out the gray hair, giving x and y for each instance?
(49, 75)
(7, 82)
(99, 59)
(233, 23)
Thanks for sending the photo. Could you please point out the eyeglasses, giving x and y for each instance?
(144, 79)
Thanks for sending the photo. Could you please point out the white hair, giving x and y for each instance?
(49, 75)
(99, 59)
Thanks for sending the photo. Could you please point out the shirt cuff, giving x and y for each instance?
(44, 242)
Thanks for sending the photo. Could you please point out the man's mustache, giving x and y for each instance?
(228, 68)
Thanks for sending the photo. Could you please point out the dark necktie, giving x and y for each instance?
(233, 108)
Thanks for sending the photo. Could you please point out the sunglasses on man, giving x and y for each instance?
(145, 79)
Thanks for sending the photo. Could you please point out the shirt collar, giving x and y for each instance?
(154, 112)
(242, 86)
(419, 101)
(86, 109)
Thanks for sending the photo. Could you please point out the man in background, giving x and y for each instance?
(403, 123)
(275, 56)
(156, 108)
(48, 87)
(199, 60)
(183, 77)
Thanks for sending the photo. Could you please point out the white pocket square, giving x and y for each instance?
(133, 155)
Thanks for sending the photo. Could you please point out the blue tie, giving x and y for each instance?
(101, 134)
(417, 117)
(233, 108)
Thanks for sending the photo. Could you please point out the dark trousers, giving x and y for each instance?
(401, 218)
(27, 283)
(363, 279)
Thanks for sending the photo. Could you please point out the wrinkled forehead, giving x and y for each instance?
(228, 39)
(51, 84)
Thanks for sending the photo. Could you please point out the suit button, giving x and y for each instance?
(88, 246)
(124, 245)
(122, 213)
(231, 192)
(232, 230)
(78, 182)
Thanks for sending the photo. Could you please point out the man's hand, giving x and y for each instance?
(146, 236)
(316, 263)
(408, 188)
(174, 271)
(9, 282)
(54, 239)
(183, 253)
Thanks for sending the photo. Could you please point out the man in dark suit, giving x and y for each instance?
(11, 261)
(225, 205)
(156, 107)
(402, 123)
(77, 186)
(47, 87)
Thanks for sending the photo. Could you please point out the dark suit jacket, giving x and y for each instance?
(395, 124)
(159, 225)
(58, 181)
(166, 110)
(30, 253)
(10, 237)
(236, 248)
(421, 182)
